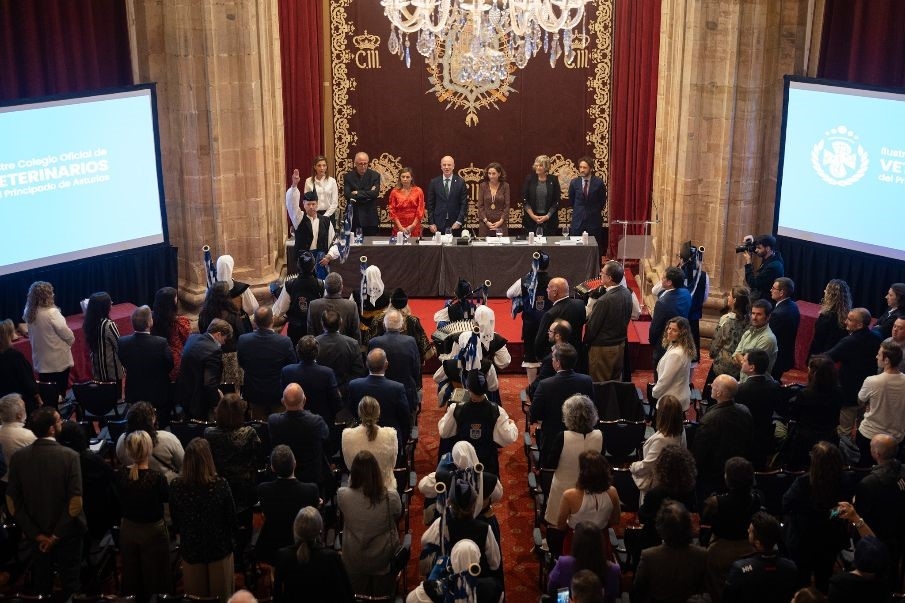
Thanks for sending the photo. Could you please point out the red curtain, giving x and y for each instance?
(864, 41)
(301, 45)
(634, 115)
(59, 46)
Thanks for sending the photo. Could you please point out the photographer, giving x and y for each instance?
(771, 267)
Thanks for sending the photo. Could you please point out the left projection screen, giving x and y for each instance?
(79, 177)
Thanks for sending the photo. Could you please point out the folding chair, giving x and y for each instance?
(97, 400)
(623, 439)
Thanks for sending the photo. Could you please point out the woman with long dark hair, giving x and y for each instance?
(102, 335)
(167, 323)
(493, 201)
(16, 374)
(234, 446)
(815, 410)
(594, 498)
(51, 339)
(370, 535)
(588, 553)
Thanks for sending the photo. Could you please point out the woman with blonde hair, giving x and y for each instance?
(670, 432)
(493, 201)
(51, 338)
(674, 367)
(379, 441)
(829, 327)
(406, 204)
(540, 198)
(144, 542)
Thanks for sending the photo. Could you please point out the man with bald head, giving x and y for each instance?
(394, 408)
(447, 199)
(361, 188)
(856, 356)
(563, 308)
(262, 353)
(727, 429)
(304, 432)
(242, 596)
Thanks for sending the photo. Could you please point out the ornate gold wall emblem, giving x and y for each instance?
(367, 56)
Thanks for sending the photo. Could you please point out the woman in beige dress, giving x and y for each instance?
(493, 202)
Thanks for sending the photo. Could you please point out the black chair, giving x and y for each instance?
(629, 495)
(773, 485)
(263, 431)
(115, 429)
(618, 400)
(623, 439)
(691, 429)
(50, 393)
(97, 400)
(186, 431)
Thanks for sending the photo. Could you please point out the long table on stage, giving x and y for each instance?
(433, 270)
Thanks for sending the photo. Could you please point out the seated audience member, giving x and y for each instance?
(765, 576)
(321, 389)
(370, 535)
(339, 352)
(884, 397)
(670, 431)
(729, 516)
(308, 570)
(551, 394)
(303, 431)
(479, 421)
(167, 454)
(815, 410)
(674, 478)
(674, 366)
(205, 519)
(281, 500)
(762, 396)
(13, 433)
(143, 542)
(725, 431)
(235, 447)
(673, 571)
(829, 327)
(379, 441)
(815, 536)
(262, 354)
(580, 416)
(895, 299)
(588, 553)
(586, 588)
(16, 374)
(594, 498)
(102, 510)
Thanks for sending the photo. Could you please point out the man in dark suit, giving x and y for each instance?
(201, 370)
(304, 432)
(559, 332)
(262, 354)
(346, 308)
(762, 395)
(587, 196)
(784, 322)
(321, 389)
(564, 308)
(447, 199)
(45, 497)
(856, 355)
(674, 300)
(339, 352)
(394, 409)
(402, 355)
(361, 188)
(551, 393)
(148, 360)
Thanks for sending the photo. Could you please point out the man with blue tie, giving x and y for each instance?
(587, 196)
(447, 199)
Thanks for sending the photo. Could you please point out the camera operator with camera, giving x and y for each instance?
(771, 267)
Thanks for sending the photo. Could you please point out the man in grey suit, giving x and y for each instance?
(262, 353)
(45, 497)
(346, 308)
(447, 199)
(402, 355)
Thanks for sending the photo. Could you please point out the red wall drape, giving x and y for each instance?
(301, 46)
(59, 46)
(864, 41)
(634, 114)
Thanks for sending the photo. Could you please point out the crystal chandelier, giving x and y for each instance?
(483, 38)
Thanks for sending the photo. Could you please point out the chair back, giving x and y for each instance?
(115, 429)
(629, 495)
(97, 399)
(618, 400)
(50, 393)
(186, 431)
(622, 440)
(691, 429)
(773, 485)
(263, 431)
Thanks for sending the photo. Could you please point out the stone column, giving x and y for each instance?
(719, 112)
(219, 102)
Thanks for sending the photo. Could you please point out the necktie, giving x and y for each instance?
(446, 186)
(585, 190)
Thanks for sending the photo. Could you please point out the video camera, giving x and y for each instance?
(747, 245)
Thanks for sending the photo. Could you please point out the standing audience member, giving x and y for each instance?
(586, 588)
(884, 395)
(201, 372)
(205, 519)
(564, 308)
(219, 305)
(674, 367)
(869, 581)
(379, 441)
(339, 352)
(333, 300)
(281, 500)
(814, 536)
(322, 392)
(304, 432)
(390, 395)
(558, 332)
(606, 331)
(102, 335)
(399, 301)
(770, 269)
(758, 336)
(370, 535)
(167, 454)
(594, 498)
(403, 357)
(728, 333)
(762, 396)
(674, 478)
(673, 571)
(13, 434)
(673, 302)
(829, 327)
(308, 570)
(143, 542)
(51, 338)
(235, 450)
(764, 577)
(784, 321)
(167, 323)
(898, 337)
(588, 553)
(45, 498)
(262, 354)
(242, 596)
(670, 432)
(552, 393)
(148, 361)
(815, 410)
(895, 299)
(16, 373)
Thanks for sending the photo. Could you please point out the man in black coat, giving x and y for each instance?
(394, 409)
(447, 199)
(762, 395)
(304, 432)
(262, 353)
(784, 322)
(148, 361)
(201, 370)
(339, 352)
(771, 267)
(402, 355)
(333, 299)
(321, 390)
(564, 307)
(856, 354)
(551, 393)
(361, 188)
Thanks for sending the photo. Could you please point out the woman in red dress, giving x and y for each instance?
(406, 205)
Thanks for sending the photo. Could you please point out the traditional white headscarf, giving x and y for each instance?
(375, 283)
(465, 559)
(486, 320)
(225, 265)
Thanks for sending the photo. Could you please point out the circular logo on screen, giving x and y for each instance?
(838, 158)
